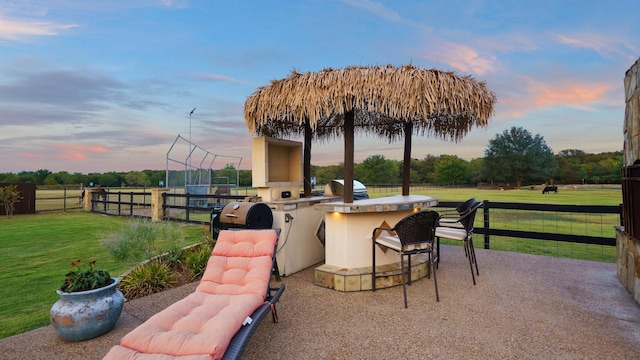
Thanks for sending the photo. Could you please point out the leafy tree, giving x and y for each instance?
(27, 177)
(41, 175)
(576, 166)
(109, 179)
(476, 167)
(376, 169)
(9, 178)
(155, 176)
(62, 177)
(136, 178)
(226, 175)
(245, 178)
(78, 178)
(9, 195)
(517, 155)
(451, 168)
(325, 174)
(429, 168)
(415, 177)
(51, 180)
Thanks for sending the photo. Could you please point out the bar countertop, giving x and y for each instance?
(383, 204)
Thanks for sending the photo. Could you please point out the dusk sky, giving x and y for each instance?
(98, 86)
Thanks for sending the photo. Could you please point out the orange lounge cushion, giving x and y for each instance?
(202, 324)
(233, 276)
(122, 353)
(245, 243)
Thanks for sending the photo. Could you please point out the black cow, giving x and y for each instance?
(548, 189)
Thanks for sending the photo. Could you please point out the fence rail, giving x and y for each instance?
(534, 223)
(130, 203)
(194, 208)
(57, 198)
(487, 229)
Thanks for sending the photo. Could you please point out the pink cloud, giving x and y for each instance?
(532, 95)
(461, 57)
(74, 156)
(87, 148)
(568, 94)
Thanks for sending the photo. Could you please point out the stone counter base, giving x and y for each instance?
(359, 279)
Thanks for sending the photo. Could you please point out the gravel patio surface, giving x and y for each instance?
(523, 307)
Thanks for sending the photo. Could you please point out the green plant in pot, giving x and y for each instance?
(89, 305)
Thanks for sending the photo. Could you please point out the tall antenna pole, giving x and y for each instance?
(190, 144)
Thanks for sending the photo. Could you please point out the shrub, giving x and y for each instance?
(139, 240)
(196, 261)
(147, 279)
(9, 195)
(174, 256)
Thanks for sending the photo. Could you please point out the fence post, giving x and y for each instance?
(157, 208)
(88, 198)
(621, 215)
(165, 209)
(187, 207)
(485, 212)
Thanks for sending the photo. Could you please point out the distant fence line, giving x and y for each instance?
(194, 208)
(58, 198)
(69, 197)
(487, 230)
(397, 188)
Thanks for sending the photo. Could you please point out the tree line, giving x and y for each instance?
(513, 156)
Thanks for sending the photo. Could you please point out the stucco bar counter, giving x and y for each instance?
(348, 229)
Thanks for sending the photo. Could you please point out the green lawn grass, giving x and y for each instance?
(36, 253)
(569, 196)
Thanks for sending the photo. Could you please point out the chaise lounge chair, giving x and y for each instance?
(218, 319)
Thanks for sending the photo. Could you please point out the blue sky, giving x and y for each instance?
(97, 86)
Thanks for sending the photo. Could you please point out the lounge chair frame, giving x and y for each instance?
(241, 339)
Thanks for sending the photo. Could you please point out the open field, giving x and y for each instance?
(588, 195)
(37, 250)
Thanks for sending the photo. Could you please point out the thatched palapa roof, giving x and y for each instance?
(438, 103)
(386, 101)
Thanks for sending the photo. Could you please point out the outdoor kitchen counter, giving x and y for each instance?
(347, 238)
(383, 204)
